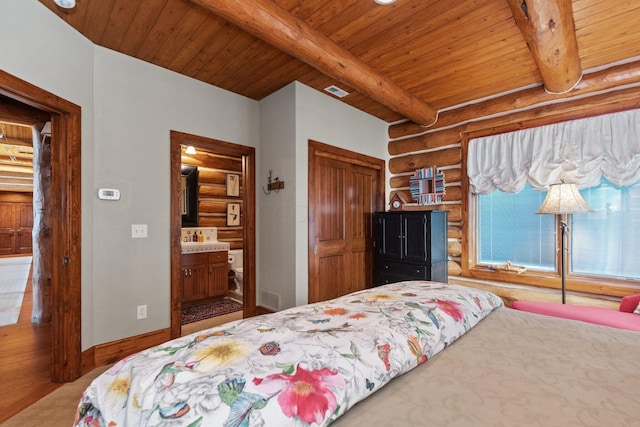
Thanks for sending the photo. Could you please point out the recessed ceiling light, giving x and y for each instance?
(385, 1)
(69, 4)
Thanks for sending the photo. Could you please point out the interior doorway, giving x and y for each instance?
(30, 104)
(246, 155)
(16, 216)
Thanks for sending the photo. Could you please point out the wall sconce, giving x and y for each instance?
(274, 184)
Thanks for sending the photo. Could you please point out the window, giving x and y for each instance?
(510, 230)
(605, 242)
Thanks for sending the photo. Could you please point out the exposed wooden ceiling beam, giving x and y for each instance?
(549, 30)
(267, 21)
(16, 141)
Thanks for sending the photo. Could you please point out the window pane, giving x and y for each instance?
(606, 242)
(510, 230)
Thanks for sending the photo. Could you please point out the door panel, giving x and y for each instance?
(7, 230)
(331, 238)
(391, 233)
(331, 198)
(415, 243)
(24, 217)
(362, 205)
(331, 275)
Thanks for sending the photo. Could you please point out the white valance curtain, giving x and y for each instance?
(579, 151)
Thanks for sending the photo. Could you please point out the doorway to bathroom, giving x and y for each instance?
(224, 215)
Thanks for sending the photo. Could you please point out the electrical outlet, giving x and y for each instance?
(142, 312)
(138, 231)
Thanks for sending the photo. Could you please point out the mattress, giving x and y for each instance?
(516, 368)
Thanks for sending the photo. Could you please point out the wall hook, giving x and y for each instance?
(273, 184)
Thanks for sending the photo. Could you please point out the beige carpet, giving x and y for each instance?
(14, 272)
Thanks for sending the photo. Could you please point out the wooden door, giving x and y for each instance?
(362, 201)
(24, 227)
(345, 189)
(332, 245)
(7, 228)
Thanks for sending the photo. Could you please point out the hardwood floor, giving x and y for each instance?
(25, 361)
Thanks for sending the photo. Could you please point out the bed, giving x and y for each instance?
(376, 357)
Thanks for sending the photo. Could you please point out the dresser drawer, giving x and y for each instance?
(218, 257)
(409, 271)
(194, 258)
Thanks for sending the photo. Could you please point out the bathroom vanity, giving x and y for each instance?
(204, 275)
(204, 265)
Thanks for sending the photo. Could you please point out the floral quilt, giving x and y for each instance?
(302, 366)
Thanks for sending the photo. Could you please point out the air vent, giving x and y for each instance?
(336, 91)
(270, 300)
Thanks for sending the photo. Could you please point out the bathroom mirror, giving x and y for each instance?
(189, 195)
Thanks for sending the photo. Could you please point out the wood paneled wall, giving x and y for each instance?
(444, 144)
(212, 193)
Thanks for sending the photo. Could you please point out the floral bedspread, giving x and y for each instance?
(302, 366)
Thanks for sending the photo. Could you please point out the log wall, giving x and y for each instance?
(212, 194)
(444, 145)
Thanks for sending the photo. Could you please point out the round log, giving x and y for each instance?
(597, 81)
(454, 268)
(273, 24)
(454, 232)
(446, 157)
(427, 141)
(454, 248)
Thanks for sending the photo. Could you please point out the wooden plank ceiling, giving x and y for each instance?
(442, 52)
(16, 157)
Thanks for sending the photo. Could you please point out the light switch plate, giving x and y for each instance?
(141, 312)
(138, 231)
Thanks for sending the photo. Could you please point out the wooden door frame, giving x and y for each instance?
(319, 149)
(65, 210)
(248, 155)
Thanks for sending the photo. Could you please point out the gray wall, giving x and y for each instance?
(136, 107)
(296, 114)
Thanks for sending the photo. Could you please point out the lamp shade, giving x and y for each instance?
(563, 199)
